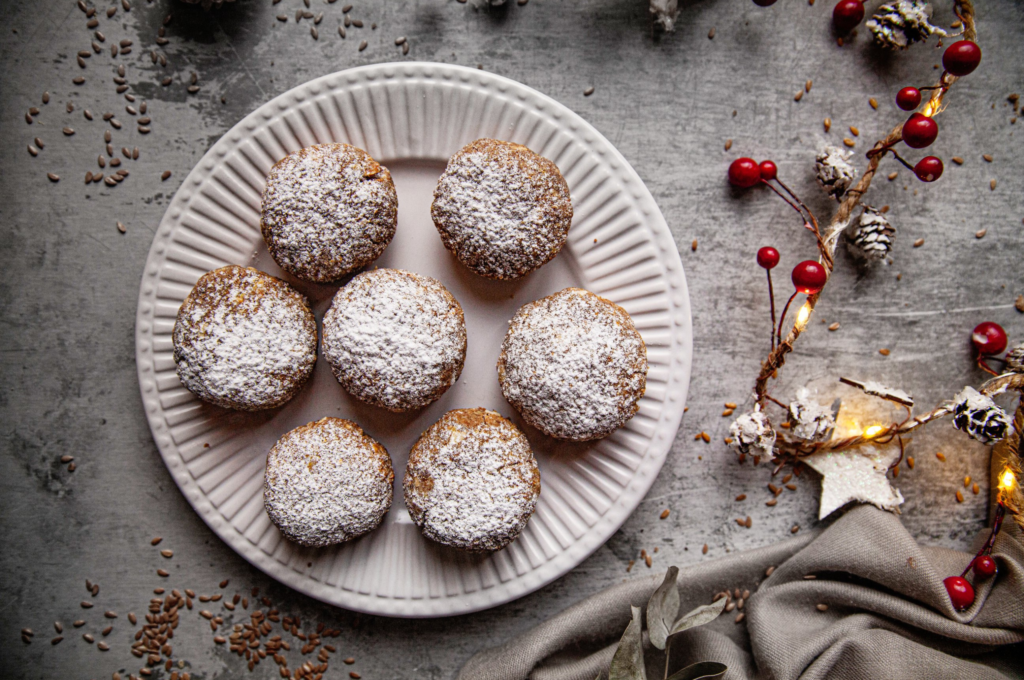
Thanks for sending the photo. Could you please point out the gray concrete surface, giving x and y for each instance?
(69, 280)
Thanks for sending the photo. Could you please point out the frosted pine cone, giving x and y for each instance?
(835, 174)
(665, 13)
(871, 236)
(809, 420)
(978, 416)
(752, 433)
(1015, 359)
(899, 24)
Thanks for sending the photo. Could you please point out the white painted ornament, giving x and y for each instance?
(857, 475)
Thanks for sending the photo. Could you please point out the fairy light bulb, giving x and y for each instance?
(803, 315)
(1007, 480)
(872, 431)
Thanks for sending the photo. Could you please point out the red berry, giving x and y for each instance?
(928, 169)
(768, 257)
(909, 98)
(989, 338)
(809, 277)
(846, 15)
(764, 3)
(984, 566)
(919, 131)
(961, 58)
(744, 173)
(768, 170)
(960, 591)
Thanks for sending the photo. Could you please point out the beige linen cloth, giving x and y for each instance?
(888, 614)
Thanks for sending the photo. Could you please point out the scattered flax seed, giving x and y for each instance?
(53, 177)
(739, 521)
(728, 144)
(110, 614)
(730, 606)
(224, 583)
(706, 437)
(647, 560)
(58, 626)
(772, 503)
(893, 175)
(729, 404)
(362, 45)
(987, 157)
(910, 462)
(959, 496)
(791, 487)
(941, 456)
(665, 513)
(88, 638)
(821, 607)
(349, 661)
(956, 24)
(975, 488)
(769, 571)
(749, 522)
(873, 102)
(400, 39)
(884, 352)
(918, 243)
(693, 246)
(726, 413)
(967, 481)
(121, 228)
(741, 497)
(164, 176)
(79, 623)
(828, 124)
(992, 185)
(796, 528)
(162, 572)
(56, 640)
(958, 160)
(68, 131)
(740, 617)
(854, 131)
(33, 151)
(704, 550)
(167, 553)
(849, 142)
(102, 646)
(312, 31)
(807, 85)
(711, 33)
(132, 619)
(589, 91)
(834, 326)
(1019, 303)
(980, 233)
(798, 96)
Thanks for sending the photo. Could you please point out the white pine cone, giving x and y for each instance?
(752, 433)
(1015, 359)
(899, 24)
(809, 420)
(665, 13)
(871, 236)
(980, 417)
(834, 172)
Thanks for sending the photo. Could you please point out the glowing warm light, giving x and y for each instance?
(803, 315)
(1007, 480)
(873, 430)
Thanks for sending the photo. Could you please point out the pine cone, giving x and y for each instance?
(207, 4)
(1015, 359)
(871, 236)
(752, 433)
(899, 24)
(834, 172)
(978, 416)
(809, 420)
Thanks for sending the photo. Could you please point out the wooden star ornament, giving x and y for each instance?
(856, 475)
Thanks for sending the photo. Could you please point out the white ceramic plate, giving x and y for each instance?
(411, 117)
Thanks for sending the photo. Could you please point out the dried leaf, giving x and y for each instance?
(663, 608)
(628, 662)
(705, 670)
(699, 616)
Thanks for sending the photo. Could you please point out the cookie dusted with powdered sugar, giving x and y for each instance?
(501, 209)
(244, 340)
(328, 210)
(574, 365)
(395, 339)
(472, 481)
(327, 482)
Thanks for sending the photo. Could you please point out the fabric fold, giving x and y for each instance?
(858, 600)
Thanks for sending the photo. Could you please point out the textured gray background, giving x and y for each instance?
(669, 102)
